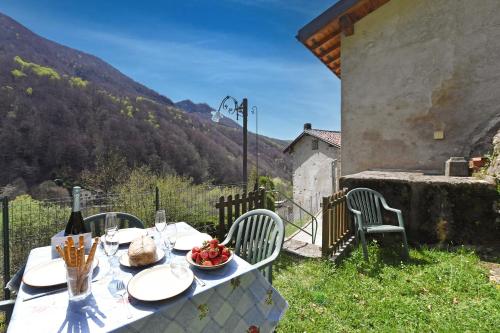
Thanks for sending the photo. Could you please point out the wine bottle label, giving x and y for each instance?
(76, 198)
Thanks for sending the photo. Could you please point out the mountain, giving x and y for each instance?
(61, 110)
(204, 111)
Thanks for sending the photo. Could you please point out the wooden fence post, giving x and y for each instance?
(326, 225)
(222, 229)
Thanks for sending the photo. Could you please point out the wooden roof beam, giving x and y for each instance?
(331, 59)
(346, 25)
(324, 52)
(324, 40)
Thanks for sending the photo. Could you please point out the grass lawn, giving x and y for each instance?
(436, 291)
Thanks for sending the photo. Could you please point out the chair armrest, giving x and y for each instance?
(394, 210)
(267, 261)
(358, 218)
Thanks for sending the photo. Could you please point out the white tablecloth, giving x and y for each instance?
(234, 299)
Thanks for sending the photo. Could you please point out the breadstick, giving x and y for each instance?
(91, 254)
(80, 241)
(67, 257)
(70, 241)
(72, 253)
(60, 251)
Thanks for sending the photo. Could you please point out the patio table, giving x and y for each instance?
(234, 298)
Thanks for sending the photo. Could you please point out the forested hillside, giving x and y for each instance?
(62, 109)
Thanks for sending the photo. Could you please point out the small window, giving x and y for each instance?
(314, 144)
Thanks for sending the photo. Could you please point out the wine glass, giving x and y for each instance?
(160, 223)
(111, 243)
(170, 238)
(111, 223)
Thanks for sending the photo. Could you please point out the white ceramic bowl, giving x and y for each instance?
(208, 268)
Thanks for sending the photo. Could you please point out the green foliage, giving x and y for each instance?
(29, 91)
(140, 99)
(37, 69)
(110, 168)
(78, 82)
(179, 196)
(17, 73)
(436, 291)
(152, 120)
(33, 222)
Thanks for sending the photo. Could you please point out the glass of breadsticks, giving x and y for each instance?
(78, 267)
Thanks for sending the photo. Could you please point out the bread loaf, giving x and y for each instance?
(142, 251)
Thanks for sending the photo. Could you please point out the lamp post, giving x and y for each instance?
(232, 106)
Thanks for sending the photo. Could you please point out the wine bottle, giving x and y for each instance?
(75, 223)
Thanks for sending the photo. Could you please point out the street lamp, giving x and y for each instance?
(232, 106)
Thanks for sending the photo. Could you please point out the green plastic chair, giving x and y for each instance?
(365, 203)
(95, 223)
(259, 238)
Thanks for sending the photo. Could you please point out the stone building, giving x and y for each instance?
(420, 79)
(316, 167)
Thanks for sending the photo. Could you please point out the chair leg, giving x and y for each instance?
(363, 244)
(405, 244)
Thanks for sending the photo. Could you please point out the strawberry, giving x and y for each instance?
(221, 248)
(195, 249)
(214, 241)
(226, 252)
(216, 261)
(195, 255)
(212, 253)
(198, 260)
(224, 258)
(204, 254)
(207, 263)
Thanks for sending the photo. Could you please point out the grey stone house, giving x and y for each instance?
(316, 167)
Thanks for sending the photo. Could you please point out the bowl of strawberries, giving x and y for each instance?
(211, 255)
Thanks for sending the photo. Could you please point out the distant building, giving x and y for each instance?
(420, 79)
(316, 166)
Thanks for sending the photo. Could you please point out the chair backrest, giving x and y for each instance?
(367, 201)
(258, 235)
(95, 223)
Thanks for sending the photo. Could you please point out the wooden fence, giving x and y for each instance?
(231, 208)
(337, 229)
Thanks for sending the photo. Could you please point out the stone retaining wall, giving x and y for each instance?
(437, 209)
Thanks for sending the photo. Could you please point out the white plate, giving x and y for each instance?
(50, 273)
(126, 236)
(207, 268)
(187, 242)
(124, 259)
(159, 283)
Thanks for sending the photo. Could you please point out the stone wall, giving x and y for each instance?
(414, 68)
(437, 209)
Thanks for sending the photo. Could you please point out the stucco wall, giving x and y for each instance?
(416, 67)
(312, 173)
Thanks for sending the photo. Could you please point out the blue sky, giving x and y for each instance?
(203, 50)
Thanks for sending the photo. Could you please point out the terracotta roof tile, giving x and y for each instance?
(331, 137)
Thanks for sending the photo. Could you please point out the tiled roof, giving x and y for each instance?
(331, 137)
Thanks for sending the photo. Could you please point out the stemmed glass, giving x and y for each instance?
(111, 223)
(170, 238)
(111, 239)
(160, 223)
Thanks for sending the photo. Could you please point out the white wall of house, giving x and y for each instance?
(312, 173)
(414, 69)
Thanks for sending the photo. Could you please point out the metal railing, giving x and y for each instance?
(284, 208)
